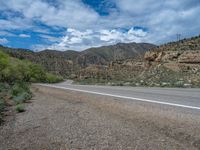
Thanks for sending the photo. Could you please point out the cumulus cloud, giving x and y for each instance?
(67, 13)
(5, 33)
(24, 36)
(164, 18)
(15, 23)
(86, 27)
(80, 40)
(50, 38)
(3, 41)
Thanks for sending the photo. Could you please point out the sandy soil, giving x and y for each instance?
(61, 120)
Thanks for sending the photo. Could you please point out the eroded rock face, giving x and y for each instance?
(189, 57)
(173, 56)
(151, 55)
(160, 56)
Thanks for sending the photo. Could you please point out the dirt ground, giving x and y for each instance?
(61, 120)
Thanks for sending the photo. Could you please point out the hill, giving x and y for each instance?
(68, 62)
(105, 54)
(182, 45)
(174, 64)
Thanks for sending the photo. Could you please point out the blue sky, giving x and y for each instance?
(81, 24)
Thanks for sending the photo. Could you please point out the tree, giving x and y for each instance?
(4, 61)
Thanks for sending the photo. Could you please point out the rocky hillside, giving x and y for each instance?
(104, 55)
(68, 62)
(172, 65)
(182, 45)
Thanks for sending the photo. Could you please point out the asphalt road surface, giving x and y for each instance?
(173, 97)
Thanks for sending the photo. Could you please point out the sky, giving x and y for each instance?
(81, 24)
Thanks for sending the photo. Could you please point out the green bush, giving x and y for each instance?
(4, 60)
(15, 76)
(22, 97)
(50, 78)
(20, 108)
(21, 93)
(2, 106)
(3, 87)
(37, 73)
(20, 88)
(13, 70)
(179, 84)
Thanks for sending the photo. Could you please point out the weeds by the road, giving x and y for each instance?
(16, 94)
(20, 108)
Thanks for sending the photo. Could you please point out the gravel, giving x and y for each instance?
(61, 120)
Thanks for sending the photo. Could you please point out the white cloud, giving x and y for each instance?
(107, 35)
(50, 38)
(80, 40)
(3, 41)
(68, 13)
(164, 19)
(15, 24)
(24, 36)
(5, 33)
(85, 27)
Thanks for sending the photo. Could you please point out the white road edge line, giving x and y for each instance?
(124, 97)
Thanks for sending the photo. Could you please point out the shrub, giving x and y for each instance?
(21, 93)
(4, 60)
(2, 106)
(15, 76)
(22, 97)
(3, 87)
(179, 84)
(37, 73)
(20, 108)
(50, 78)
(13, 70)
(19, 88)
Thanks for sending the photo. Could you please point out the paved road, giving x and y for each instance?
(173, 97)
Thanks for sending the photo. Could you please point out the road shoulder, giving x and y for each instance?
(60, 119)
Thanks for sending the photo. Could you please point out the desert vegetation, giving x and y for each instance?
(176, 64)
(66, 63)
(15, 78)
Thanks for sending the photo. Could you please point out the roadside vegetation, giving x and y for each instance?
(156, 76)
(15, 79)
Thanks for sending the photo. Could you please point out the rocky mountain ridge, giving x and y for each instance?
(174, 64)
(66, 63)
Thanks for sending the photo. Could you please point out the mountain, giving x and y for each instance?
(175, 64)
(69, 62)
(104, 55)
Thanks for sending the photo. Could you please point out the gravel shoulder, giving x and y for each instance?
(60, 119)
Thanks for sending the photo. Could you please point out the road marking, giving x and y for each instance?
(124, 97)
